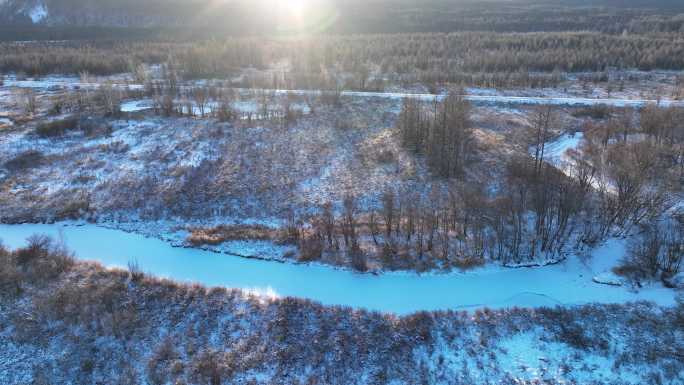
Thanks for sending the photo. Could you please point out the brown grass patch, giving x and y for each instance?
(468, 263)
(222, 233)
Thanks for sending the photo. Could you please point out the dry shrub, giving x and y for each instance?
(656, 253)
(101, 303)
(310, 249)
(159, 366)
(575, 336)
(468, 263)
(95, 127)
(386, 156)
(387, 255)
(9, 276)
(26, 327)
(43, 258)
(25, 160)
(28, 100)
(134, 271)
(117, 147)
(75, 208)
(598, 111)
(358, 258)
(419, 326)
(679, 313)
(331, 97)
(56, 128)
(222, 233)
(210, 367)
(630, 271)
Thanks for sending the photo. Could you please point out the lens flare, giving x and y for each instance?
(296, 7)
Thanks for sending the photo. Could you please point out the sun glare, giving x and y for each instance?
(294, 6)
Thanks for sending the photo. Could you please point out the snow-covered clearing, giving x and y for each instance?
(555, 151)
(567, 283)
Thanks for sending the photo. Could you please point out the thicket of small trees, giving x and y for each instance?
(104, 100)
(442, 133)
(217, 102)
(657, 252)
(624, 177)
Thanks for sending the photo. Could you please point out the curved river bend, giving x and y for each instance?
(566, 283)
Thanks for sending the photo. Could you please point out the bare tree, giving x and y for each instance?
(201, 98)
(388, 212)
(110, 98)
(541, 122)
(328, 219)
(349, 227)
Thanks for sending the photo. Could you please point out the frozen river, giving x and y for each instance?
(567, 283)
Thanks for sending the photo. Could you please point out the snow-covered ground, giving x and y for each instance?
(568, 283)
(555, 151)
(136, 105)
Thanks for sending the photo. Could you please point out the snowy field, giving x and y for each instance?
(572, 282)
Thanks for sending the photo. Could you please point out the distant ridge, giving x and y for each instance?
(50, 18)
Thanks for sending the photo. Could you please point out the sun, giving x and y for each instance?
(296, 7)
(303, 16)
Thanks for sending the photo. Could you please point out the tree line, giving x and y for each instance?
(363, 62)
